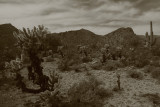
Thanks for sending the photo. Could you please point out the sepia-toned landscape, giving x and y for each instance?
(79, 68)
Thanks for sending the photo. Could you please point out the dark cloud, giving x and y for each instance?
(142, 5)
(147, 5)
(52, 10)
(85, 4)
(96, 14)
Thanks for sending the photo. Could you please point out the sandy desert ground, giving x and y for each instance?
(129, 96)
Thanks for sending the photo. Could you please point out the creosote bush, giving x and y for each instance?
(155, 71)
(112, 65)
(149, 69)
(86, 59)
(135, 74)
(87, 93)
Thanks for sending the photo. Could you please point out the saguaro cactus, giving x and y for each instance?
(151, 31)
(150, 40)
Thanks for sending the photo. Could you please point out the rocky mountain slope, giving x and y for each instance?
(122, 36)
(78, 37)
(6, 35)
(7, 41)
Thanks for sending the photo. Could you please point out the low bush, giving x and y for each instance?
(141, 63)
(8, 82)
(112, 65)
(149, 69)
(135, 74)
(96, 65)
(63, 65)
(87, 93)
(48, 59)
(156, 73)
(86, 59)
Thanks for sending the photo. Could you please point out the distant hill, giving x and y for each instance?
(123, 36)
(7, 49)
(7, 40)
(78, 37)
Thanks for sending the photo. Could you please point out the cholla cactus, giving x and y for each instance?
(32, 42)
(31, 38)
(60, 50)
(105, 53)
(119, 52)
(83, 50)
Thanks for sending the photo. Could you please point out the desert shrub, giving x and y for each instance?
(63, 65)
(96, 65)
(29, 103)
(155, 61)
(79, 67)
(71, 59)
(87, 93)
(155, 50)
(2, 65)
(142, 58)
(141, 62)
(112, 65)
(95, 54)
(135, 74)
(155, 98)
(69, 62)
(156, 73)
(26, 60)
(138, 57)
(149, 69)
(56, 56)
(49, 59)
(8, 82)
(86, 59)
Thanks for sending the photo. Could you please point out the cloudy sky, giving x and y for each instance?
(99, 16)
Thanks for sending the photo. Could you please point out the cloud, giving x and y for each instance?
(100, 16)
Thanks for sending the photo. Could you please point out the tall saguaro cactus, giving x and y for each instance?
(151, 32)
(150, 40)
